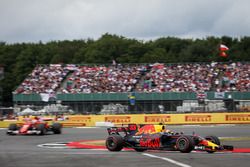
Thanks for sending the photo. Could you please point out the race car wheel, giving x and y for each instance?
(57, 128)
(41, 128)
(114, 142)
(13, 127)
(140, 149)
(213, 139)
(185, 144)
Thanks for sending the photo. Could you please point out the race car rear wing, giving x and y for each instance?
(128, 129)
(137, 129)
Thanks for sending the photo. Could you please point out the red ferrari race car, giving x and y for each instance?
(156, 137)
(35, 127)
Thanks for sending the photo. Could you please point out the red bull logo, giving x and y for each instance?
(147, 129)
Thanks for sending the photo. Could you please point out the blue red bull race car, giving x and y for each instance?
(157, 137)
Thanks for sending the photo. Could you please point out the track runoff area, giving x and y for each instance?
(85, 147)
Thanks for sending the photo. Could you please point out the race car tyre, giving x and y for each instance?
(41, 128)
(140, 149)
(213, 139)
(185, 144)
(13, 127)
(56, 128)
(114, 142)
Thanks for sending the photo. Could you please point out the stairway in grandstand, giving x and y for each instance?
(65, 81)
(140, 83)
(213, 84)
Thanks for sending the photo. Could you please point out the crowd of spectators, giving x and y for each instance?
(235, 77)
(193, 77)
(189, 77)
(43, 79)
(102, 79)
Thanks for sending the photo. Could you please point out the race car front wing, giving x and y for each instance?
(29, 132)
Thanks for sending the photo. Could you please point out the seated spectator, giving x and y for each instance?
(43, 79)
(186, 77)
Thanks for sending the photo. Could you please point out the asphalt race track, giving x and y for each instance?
(23, 151)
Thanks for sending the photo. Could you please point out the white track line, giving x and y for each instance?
(167, 159)
(53, 145)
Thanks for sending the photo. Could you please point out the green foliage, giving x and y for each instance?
(157, 55)
(20, 59)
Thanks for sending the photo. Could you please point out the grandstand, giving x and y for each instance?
(158, 88)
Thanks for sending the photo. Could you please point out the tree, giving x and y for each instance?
(156, 55)
(107, 48)
(26, 61)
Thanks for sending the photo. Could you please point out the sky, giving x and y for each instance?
(47, 20)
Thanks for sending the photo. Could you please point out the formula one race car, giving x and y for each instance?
(35, 127)
(156, 137)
